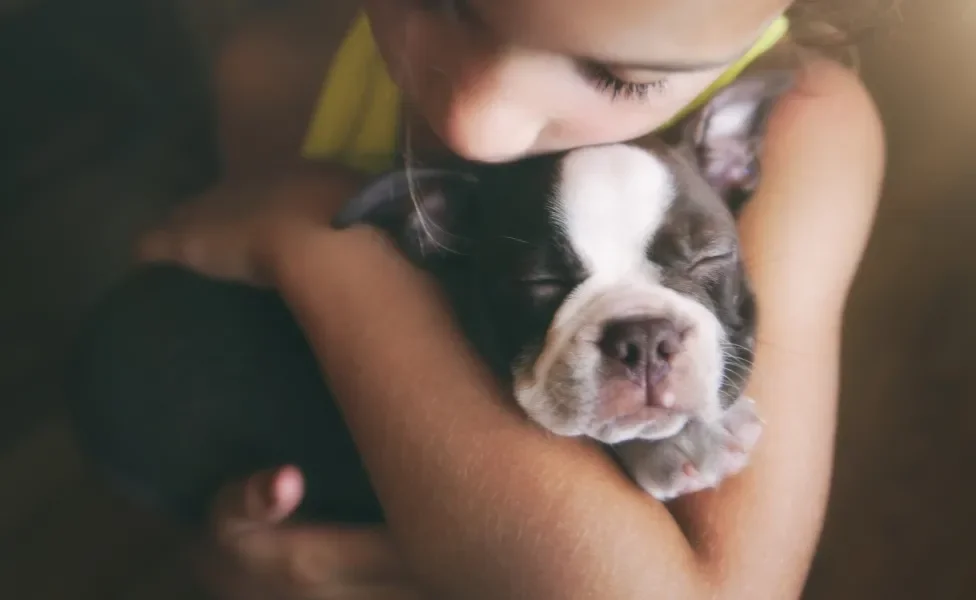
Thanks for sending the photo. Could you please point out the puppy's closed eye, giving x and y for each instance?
(543, 289)
(706, 262)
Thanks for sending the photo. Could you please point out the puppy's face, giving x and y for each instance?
(608, 278)
(619, 299)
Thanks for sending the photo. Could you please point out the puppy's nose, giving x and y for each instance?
(644, 348)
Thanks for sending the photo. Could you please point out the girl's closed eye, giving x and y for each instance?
(606, 82)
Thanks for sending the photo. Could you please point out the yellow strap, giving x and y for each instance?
(773, 34)
(356, 119)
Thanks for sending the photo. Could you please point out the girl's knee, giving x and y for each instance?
(154, 335)
(136, 385)
(135, 321)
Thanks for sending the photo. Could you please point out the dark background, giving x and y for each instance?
(104, 125)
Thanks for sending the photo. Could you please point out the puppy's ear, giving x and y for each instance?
(726, 135)
(420, 208)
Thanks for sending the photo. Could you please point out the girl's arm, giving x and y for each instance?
(803, 236)
(484, 505)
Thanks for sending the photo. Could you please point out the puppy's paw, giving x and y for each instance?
(698, 457)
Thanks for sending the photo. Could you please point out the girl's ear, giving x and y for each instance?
(419, 208)
(725, 135)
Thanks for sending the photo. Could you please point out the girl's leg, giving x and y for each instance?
(182, 384)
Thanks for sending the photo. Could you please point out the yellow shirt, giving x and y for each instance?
(357, 116)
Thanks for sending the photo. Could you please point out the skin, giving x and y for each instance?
(518, 514)
(510, 65)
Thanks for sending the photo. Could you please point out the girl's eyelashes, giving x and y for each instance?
(615, 87)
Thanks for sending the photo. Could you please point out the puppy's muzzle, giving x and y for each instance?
(624, 361)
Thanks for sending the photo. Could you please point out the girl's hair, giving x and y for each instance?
(837, 27)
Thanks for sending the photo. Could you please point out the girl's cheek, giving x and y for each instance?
(609, 127)
(595, 118)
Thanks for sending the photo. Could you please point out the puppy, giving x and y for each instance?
(605, 284)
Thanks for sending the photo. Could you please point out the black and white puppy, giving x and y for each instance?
(605, 284)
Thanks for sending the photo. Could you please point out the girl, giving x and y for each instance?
(185, 383)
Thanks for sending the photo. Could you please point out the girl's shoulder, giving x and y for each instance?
(827, 110)
(822, 82)
(822, 169)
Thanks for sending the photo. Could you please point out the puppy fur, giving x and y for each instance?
(548, 258)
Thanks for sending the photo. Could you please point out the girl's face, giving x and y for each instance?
(500, 79)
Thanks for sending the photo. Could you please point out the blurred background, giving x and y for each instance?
(104, 125)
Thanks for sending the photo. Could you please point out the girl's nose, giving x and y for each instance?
(487, 126)
(490, 106)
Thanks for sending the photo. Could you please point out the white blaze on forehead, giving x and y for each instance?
(610, 200)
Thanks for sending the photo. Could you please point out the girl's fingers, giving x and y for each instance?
(309, 561)
(354, 555)
(303, 560)
(263, 499)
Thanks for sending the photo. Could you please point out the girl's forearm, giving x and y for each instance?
(803, 234)
(758, 531)
(482, 503)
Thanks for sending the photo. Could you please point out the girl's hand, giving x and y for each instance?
(257, 555)
(233, 230)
